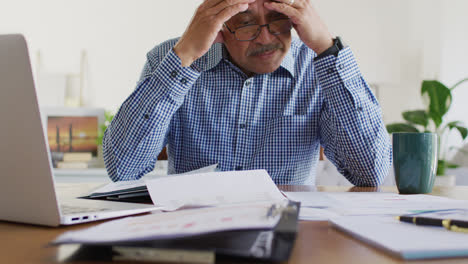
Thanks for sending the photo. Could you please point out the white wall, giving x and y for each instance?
(397, 43)
(116, 33)
(454, 66)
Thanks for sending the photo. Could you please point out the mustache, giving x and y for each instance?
(264, 48)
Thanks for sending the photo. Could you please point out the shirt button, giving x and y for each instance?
(340, 66)
(243, 126)
(174, 74)
(247, 83)
(146, 116)
(330, 71)
(238, 168)
(183, 81)
(359, 109)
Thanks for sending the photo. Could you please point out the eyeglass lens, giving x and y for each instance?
(252, 31)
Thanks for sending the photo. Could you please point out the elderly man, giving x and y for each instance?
(238, 91)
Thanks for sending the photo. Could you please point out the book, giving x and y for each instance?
(77, 156)
(72, 165)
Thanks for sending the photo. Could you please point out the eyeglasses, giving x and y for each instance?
(251, 32)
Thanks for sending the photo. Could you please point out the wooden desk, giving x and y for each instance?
(317, 242)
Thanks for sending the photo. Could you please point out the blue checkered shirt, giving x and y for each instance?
(212, 113)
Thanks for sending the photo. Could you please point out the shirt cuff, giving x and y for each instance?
(332, 70)
(177, 79)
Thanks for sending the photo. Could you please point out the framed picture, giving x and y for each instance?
(72, 134)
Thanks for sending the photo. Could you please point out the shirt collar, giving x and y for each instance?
(288, 62)
(218, 52)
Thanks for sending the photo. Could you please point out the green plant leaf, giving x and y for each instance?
(108, 116)
(441, 165)
(451, 165)
(401, 127)
(458, 83)
(458, 125)
(418, 117)
(440, 99)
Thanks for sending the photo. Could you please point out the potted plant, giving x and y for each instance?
(108, 116)
(438, 99)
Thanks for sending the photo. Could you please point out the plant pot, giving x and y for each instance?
(446, 180)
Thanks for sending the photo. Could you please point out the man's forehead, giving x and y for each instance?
(253, 12)
(253, 7)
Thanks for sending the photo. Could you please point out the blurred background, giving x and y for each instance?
(100, 46)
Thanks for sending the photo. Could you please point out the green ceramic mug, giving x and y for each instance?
(415, 161)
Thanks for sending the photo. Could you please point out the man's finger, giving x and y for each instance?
(225, 4)
(284, 9)
(229, 12)
(207, 4)
(296, 3)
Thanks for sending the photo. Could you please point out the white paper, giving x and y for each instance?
(454, 214)
(332, 204)
(312, 199)
(316, 214)
(391, 204)
(406, 240)
(177, 224)
(211, 189)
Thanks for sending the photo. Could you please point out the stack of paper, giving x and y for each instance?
(240, 214)
(221, 206)
(176, 224)
(211, 189)
(329, 205)
(371, 217)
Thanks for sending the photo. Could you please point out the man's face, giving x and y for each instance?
(263, 54)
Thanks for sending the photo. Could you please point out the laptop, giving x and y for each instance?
(27, 188)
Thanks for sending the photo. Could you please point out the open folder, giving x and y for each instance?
(126, 191)
(211, 189)
(134, 191)
(268, 233)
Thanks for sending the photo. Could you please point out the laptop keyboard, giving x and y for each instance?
(68, 210)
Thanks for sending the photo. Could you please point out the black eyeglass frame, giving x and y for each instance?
(259, 29)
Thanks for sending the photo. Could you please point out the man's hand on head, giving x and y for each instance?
(306, 21)
(205, 26)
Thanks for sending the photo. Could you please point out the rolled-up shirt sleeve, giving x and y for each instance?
(140, 128)
(352, 131)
